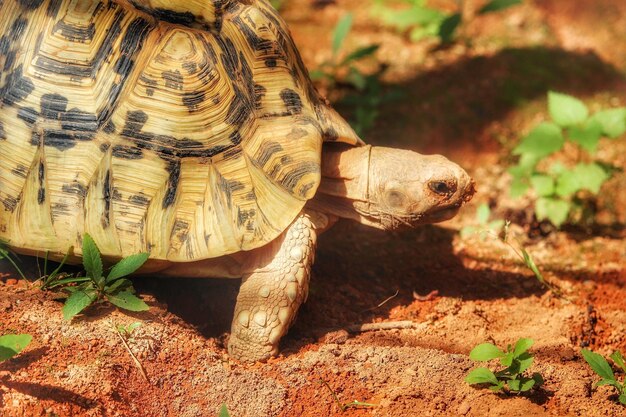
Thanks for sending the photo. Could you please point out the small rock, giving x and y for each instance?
(464, 408)
(338, 337)
(567, 354)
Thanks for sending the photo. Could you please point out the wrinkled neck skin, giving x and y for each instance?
(343, 190)
(390, 188)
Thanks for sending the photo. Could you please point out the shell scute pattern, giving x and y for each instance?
(186, 129)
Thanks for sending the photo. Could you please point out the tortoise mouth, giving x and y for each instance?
(389, 221)
(443, 214)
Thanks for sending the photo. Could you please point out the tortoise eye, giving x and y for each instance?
(443, 187)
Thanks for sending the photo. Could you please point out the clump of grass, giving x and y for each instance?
(513, 378)
(5, 253)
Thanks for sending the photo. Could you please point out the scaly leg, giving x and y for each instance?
(274, 285)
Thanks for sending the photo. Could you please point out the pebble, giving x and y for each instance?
(464, 408)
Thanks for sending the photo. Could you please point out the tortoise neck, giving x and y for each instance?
(344, 189)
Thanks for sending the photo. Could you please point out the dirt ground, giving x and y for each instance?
(469, 102)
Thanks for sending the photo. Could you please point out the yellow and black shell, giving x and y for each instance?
(187, 129)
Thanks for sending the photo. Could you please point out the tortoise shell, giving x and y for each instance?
(187, 129)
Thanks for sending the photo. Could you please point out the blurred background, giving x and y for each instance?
(470, 79)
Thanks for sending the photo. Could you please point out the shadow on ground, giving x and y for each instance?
(448, 109)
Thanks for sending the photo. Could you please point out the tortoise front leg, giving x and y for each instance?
(275, 283)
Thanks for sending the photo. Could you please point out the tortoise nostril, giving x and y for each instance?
(443, 187)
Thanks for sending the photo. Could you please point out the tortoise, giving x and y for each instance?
(191, 130)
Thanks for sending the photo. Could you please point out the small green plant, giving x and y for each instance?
(510, 379)
(420, 21)
(601, 367)
(12, 344)
(224, 411)
(560, 190)
(345, 406)
(367, 92)
(482, 225)
(85, 290)
(127, 331)
(5, 253)
(278, 4)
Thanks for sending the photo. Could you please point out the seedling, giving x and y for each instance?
(482, 225)
(493, 228)
(5, 253)
(224, 411)
(94, 286)
(127, 331)
(420, 21)
(601, 367)
(560, 190)
(12, 344)
(369, 94)
(124, 333)
(345, 406)
(55, 278)
(513, 378)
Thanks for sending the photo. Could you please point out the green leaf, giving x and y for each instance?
(341, 31)
(514, 384)
(567, 184)
(127, 266)
(538, 379)
(485, 352)
(12, 344)
(590, 176)
(128, 301)
(543, 185)
(360, 53)
(404, 19)
(507, 359)
(613, 121)
(481, 376)
(318, 75)
(622, 398)
(607, 382)
(224, 411)
(618, 359)
(553, 209)
(357, 79)
(566, 110)
(521, 346)
(78, 301)
(525, 360)
(497, 388)
(599, 365)
(586, 136)
(518, 188)
(482, 213)
(497, 5)
(118, 285)
(545, 139)
(448, 27)
(530, 263)
(527, 384)
(91, 258)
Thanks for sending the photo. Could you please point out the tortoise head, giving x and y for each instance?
(391, 188)
(407, 188)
